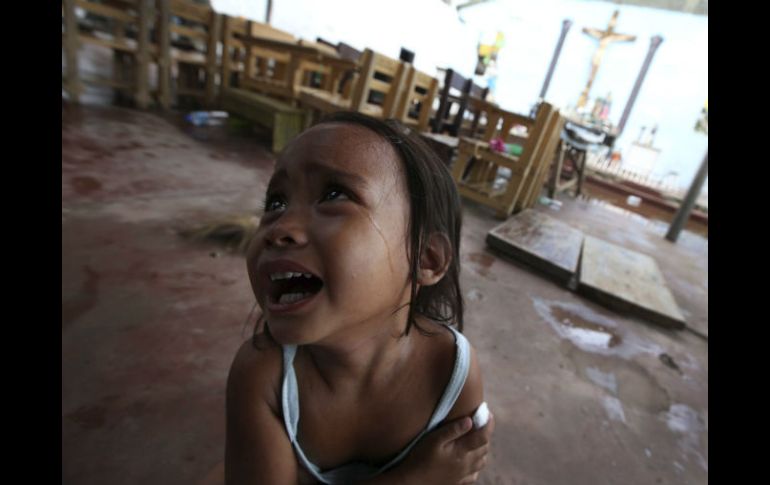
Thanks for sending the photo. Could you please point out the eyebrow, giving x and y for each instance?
(322, 169)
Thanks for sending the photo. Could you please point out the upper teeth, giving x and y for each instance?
(288, 274)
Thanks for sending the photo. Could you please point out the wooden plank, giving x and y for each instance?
(190, 11)
(105, 11)
(382, 86)
(192, 92)
(544, 165)
(278, 56)
(164, 57)
(228, 25)
(265, 31)
(265, 102)
(103, 81)
(386, 64)
(189, 32)
(211, 60)
(71, 44)
(125, 45)
(143, 55)
(323, 101)
(541, 242)
(284, 120)
(533, 183)
(627, 281)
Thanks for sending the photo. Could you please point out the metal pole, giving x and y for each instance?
(689, 201)
(269, 12)
(654, 43)
(565, 25)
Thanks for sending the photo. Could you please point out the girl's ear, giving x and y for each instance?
(434, 260)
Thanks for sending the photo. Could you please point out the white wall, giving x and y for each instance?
(672, 95)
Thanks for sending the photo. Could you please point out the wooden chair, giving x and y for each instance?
(127, 34)
(374, 93)
(454, 99)
(544, 164)
(469, 120)
(187, 54)
(265, 63)
(416, 100)
(502, 181)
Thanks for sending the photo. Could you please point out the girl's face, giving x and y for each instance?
(331, 250)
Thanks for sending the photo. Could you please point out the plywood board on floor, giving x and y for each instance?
(627, 281)
(539, 241)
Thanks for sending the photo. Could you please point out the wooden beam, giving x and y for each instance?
(71, 44)
(164, 59)
(211, 60)
(142, 96)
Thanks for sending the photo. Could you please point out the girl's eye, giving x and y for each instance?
(274, 203)
(334, 193)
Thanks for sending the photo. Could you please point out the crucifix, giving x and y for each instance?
(605, 37)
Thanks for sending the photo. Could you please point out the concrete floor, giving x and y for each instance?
(151, 321)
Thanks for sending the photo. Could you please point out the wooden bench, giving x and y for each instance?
(446, 145)
(131, 53)
(240, 61)
(284, 120)
(375, 92)
(187, 53)
(456, 91)
(416, 100)
(479, 171)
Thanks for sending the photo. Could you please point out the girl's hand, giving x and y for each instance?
(452, 454)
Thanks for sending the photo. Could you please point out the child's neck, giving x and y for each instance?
(362, 358)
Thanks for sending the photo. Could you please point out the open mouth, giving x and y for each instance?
(289, 288)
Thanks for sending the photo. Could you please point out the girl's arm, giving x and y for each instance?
(472, 395)
(257, 449)
(452, 453)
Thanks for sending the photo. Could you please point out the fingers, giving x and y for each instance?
(454, 430)
(478, 437)
(476, 468)
(478, 453)
(470, 480)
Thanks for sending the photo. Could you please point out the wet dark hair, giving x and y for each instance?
(434, 208)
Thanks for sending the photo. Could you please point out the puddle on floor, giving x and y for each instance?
(687, 423)
(591, 331)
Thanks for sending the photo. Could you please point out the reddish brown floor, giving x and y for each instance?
(150, 322)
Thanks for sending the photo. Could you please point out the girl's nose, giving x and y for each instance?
(287, 231)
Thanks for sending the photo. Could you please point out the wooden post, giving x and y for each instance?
(74, 88)
(142, 55)
(689, 201)
(211, 59)
(164, 55)
(654, 43)
(226, 54)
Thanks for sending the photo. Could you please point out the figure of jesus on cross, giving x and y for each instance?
(605, 37)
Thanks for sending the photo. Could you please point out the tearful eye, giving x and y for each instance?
(334, 194)
(274, 203)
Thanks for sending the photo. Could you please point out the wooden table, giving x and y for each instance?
(303, 58)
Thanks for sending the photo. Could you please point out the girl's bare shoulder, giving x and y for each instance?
(472, 394)
(255, 374)
(257, 448)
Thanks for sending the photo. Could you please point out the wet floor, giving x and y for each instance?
(603, 196)
(151, 321)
